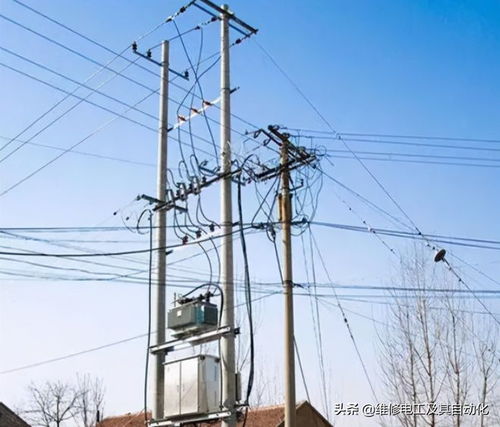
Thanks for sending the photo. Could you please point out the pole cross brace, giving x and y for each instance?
(147, 56)
(213, 416)
(194, 340)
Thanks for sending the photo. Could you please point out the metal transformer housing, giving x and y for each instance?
(192, 318)
(192, 386)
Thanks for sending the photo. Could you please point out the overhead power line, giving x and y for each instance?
(394, 135)
(98, 348)
(424, 162)
(104, 254)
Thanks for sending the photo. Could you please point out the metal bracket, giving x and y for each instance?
(191, 420)
(180, 344)
(149, 58)
(247, 29)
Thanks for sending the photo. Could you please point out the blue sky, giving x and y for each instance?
(392, 67)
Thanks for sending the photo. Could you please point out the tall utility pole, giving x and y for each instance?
(285, 206)
(228, 341)
(160, 238)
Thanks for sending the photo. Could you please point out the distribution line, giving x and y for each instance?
(95, 104)
(392, 135)
(120, 115)
(101, 229)
(118, 54)
(452, 240)
(169, 19)
(84, 153)
(93, 349)
(96, 43)
(420, 144)
(364, 316)
(75, 52)
(102, 67)
(39, 169)
(316, 318)
(129, 252)
(368, 227)
(360, 300)
(81, 99)
(351, 335)
(80, 84)
(40, 117)
(413, 155)
(370, 173)
(423, 162)
(96, 62)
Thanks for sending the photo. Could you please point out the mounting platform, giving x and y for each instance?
(190, 420)
(191, 341)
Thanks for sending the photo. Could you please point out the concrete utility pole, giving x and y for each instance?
(160, 238)
(228, 341)
(285, 206)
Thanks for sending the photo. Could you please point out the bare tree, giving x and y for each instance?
(51, 404)
(431, 352)
(90, 401)
(456, 355)
(488, 364)
(411, 362)
(57, 403)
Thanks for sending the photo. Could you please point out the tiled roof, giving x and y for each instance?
(266, 416)
(127, 420)
(9, 418)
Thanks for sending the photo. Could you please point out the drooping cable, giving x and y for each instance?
(148, 345)
(344, 318)
(248, 297)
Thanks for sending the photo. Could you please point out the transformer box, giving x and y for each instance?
(192, 386)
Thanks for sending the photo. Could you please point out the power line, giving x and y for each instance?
(414, 155)
(404, 143)
(83, 153)
(392, 135)
(81, 99)
(65, 77)
(452, 240)
(100, 229)
(93, 41)
(370, 173)
(77, 53)
(424, 162)
(104, 254)
(95, 104)
(39, 169)
(93, 349)
(348, 326)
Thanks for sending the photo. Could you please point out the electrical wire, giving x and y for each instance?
(67, 150)
(317, 327)
(248, 299)
(344, 317)
(93, 349)
(102, 254)
(392, 135)
(148, 345)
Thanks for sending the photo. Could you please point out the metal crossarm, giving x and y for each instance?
(191, 420)
(180, 344)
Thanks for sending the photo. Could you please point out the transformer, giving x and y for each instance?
(191, 318)
(192, 386)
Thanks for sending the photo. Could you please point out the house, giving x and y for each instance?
(129, 420)
(266, 416)
(9, 418)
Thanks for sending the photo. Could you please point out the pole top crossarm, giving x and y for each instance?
(240, 26)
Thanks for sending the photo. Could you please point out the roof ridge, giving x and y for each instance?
(260, 408)
(128, 414)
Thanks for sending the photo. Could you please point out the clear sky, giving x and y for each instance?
(385, 67)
